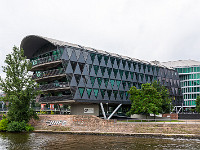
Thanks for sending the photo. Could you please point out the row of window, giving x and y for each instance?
(190, 83)
(189, 103)
(190, 76)
(190, 89)
(188, 70)
(190, 96)
(103, 92)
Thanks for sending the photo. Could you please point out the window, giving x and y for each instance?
(81, 90)
(99, 81)
(89, 92)
(112, 82)
(106, 81)
(96, 68)
(92, 80)
(96, 91)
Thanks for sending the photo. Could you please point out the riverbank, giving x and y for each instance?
(148, 135)
(75, 124)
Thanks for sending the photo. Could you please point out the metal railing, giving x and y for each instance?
(55, 85)
(46, 59)
(160, 121)
(43, 74)
(55, 98)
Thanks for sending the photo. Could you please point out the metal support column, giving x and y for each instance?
(104, 115)
(114, 111)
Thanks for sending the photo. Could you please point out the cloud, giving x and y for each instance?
(149, 30)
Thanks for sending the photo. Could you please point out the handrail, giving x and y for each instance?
(55, 98)
(42, 74)
(46, 60)
(54, 85)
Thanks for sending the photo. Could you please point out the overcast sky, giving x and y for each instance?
(161, 30)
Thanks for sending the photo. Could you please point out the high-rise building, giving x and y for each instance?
(189, 74)
(85, 77)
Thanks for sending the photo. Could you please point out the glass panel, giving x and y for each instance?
(92, 56)
(118, 61)
(115, 72)
(109, 93)
(96, 91)
(102, 93)
(126, 73)
(112, 82)
(77, 77)
(118, 83)
(139, 66)
(96, 68)
(102, 70)
(109, 71)
(124, 63)
(121, 73)
(112, 59)
(106, 59)
(99, 56)
(81, 90)
(121, 93)
(131, 75)
(92, 80)
(129, 65)
(81, 66)
(99, 81)
(89, 92)
(129, 85)
(106, 81)
(115, 94)
(73, 64)
(124, 84)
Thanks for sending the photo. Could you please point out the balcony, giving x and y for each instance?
(48, 75)
(57, 99)
(46, 62)
(54, 86)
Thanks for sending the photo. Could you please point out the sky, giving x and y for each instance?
(163, 30)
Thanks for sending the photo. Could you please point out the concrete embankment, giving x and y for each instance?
(71, 124)
(156, 135)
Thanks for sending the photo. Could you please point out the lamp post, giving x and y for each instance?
(107, 108)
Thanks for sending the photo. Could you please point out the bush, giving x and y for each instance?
(16, 126)
(3, 124)
(29, 128)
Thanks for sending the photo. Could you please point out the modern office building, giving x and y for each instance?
(89, 79)
(189, 74)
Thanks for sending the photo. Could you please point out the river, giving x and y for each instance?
(37, 141)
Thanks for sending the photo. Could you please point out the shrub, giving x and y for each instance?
(29, 128)
(16, 126)
(3, 124)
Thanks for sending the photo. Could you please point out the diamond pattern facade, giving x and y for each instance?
(97, 76)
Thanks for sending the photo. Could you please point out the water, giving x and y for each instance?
(37, 141)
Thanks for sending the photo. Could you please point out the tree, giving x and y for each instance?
(146, 100)
(166, 100)
(18, 86)
(198, 104)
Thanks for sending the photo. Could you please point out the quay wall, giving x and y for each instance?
(92, 123)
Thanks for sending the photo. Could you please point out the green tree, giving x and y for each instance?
(198, 104)
(166, 100)
(146, 100)
(18, 86)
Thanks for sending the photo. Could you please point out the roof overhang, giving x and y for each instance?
(32, 43)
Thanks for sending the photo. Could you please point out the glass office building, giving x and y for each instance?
(189, 74)
(74, 74)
